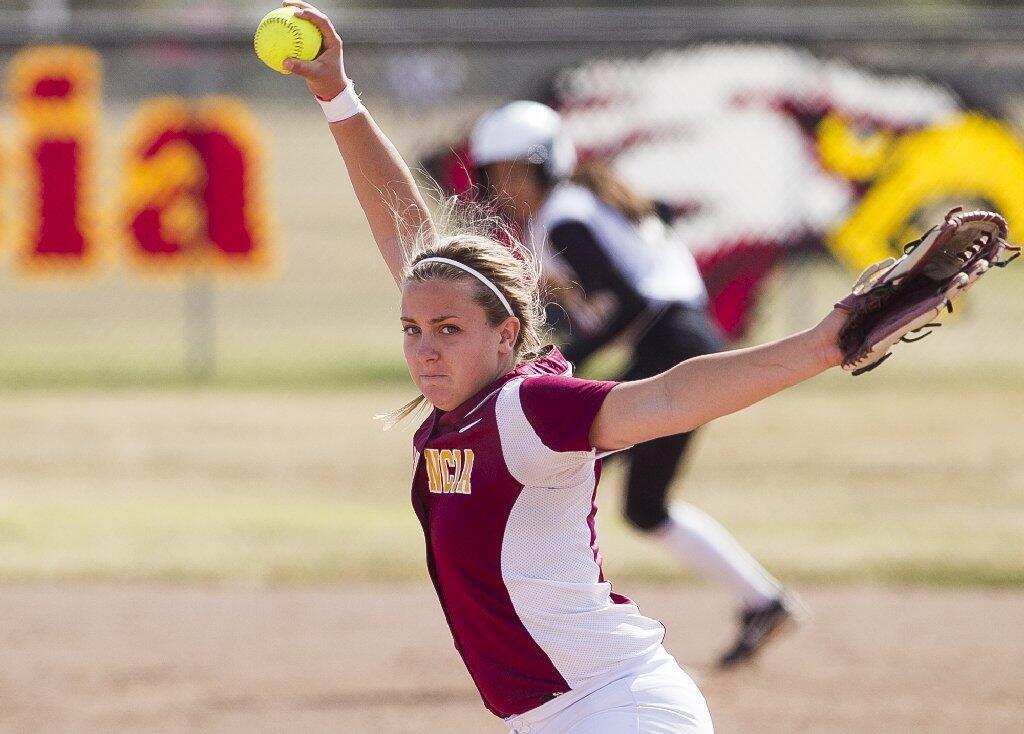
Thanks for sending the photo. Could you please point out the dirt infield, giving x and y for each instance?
(363, 659)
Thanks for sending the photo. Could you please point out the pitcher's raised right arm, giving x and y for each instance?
(388, 194)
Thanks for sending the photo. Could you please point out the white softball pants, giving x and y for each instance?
(659, 698)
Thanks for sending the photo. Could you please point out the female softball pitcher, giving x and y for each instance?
(618, 275)
(508, 461)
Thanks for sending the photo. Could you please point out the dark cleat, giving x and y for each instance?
(759, 626)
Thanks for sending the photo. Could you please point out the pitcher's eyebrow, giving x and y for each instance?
(437, 320)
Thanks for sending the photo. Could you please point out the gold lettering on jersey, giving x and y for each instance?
(449, 471)
(463, 486)
(430, 456)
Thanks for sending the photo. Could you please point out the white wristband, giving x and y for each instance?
(342, 107)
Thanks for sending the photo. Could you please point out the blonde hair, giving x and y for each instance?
(487, 245)
(613, 191)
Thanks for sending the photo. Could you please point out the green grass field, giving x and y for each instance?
(831, 482)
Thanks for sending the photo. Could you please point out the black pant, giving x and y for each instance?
(680, 333)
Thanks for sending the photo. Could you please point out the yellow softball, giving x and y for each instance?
(280, 35)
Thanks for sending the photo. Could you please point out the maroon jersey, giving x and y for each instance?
(504, 487)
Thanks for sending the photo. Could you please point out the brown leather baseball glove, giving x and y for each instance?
(894, 298)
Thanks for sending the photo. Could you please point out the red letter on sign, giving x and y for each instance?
(55, 96)
(194, 187)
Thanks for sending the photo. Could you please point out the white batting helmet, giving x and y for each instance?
(523, 131)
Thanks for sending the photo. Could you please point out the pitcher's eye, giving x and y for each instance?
(450, 329)
(411, 330)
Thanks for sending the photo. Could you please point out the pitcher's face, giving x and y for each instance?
(451, 349)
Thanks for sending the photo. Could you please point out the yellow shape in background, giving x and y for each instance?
(851, 155)
(968, 157)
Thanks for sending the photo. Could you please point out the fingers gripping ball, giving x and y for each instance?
(280, 35)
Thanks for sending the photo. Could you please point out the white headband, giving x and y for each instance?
(475, 274)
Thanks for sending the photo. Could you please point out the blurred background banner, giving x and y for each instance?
(765, 152)
(780, 136)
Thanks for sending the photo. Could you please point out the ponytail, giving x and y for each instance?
(613, 191)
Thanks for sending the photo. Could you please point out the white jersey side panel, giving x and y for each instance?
(548, 561)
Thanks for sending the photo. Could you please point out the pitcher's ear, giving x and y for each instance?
(509, 331)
